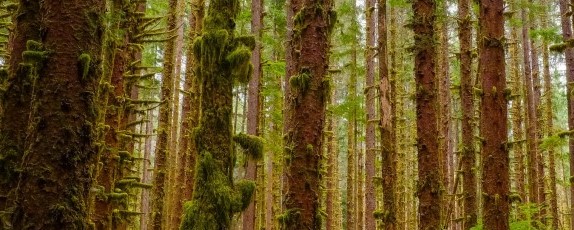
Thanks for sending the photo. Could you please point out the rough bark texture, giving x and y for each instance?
(59, 153)
(467, 106)
(223, 59)
(429, 190)
(566, 24)
(18, 96)
(532, 138)
(332, 177)
(161, 167)
(190, 111)
(253, 104)
(351, 190)
(370, 136)
(389, 164)
(305, 112)
(493, 125)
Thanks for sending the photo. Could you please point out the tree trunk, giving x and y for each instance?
(569, 61)
(56, 173)
(253, 111)
(371, 120)
(305, 112)
(493, 123)
(429, 190)
(352, 179)
(467, 105)
(389, 164)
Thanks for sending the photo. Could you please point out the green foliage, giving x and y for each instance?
(553, 141)
(251, 145)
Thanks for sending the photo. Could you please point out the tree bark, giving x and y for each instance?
(371, 120)
(467, 105)
(56, 173)
(305, 112)
(253, 103)
(493, 123)
(429, 189)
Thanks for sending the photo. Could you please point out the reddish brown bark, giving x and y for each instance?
(389, 164)
(467, 105)
(493, 120)
(532, 138)
(253, 104)
(429, 189)
(305, 112)
(56, 172)
(566, 24)
(370, 136)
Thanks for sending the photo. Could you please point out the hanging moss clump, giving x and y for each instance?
(251, 145)
(222, 59)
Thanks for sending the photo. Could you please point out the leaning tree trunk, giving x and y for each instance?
(222, 59)
(493, 119)
(429, 190)
(56, 171)
(305, 112)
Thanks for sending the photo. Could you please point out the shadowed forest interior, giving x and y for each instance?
(286, 114)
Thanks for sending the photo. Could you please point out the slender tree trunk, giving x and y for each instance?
(165, 113)
(351, 136)
(145, 202)
(253, 111)
(493, 125)
(332, 182)
(569, 56)
(389, 164)
(467, 105)
(56, 173)
(370, 136)
(531, 139)
(305, 112)
(429, 190)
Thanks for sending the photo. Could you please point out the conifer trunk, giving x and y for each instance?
(493, 123)
(467, 105)
(253, 103)
(56, 171)
(371, 121)
(389, 164)
(305, 112)
(351, 214)
(429, 190)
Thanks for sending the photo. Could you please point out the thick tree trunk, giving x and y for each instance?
(253, 103)
(429, 190)
(56, 173)
(305, 112)
(371, 120)
(467, 105)
(389, 164)
(493, 123)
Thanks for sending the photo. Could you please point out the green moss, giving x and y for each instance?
(84, 61)
(245, 190)
(248, 41)
(301, 81)
(289, 217)
(252, 145)
(33, 56)
(34, 45)
(240, 63)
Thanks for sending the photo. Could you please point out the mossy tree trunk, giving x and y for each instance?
(305, 112)
(253, 103)
(190, 112)
(429, 189)
(566, 25)
(389, 164)
(369, 200)
(222, 60)
(493, 121)
(351, 193)
(57, 168)
(162, 153)
(467, 104)
(18, 95)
